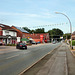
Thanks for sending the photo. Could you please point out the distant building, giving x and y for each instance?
(73, 35)
(7, 34)
(39, 37)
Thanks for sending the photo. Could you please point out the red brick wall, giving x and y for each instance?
(36, 37)
(1, 31)
(19, 33)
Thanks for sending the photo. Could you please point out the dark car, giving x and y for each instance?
(0, 43)
(21, 46)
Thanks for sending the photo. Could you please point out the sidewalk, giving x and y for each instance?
(71, 62)
(57, 64)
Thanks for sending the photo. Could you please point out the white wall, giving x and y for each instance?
(12, 33)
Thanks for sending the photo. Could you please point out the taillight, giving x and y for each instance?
(21, 45)
(25, 45)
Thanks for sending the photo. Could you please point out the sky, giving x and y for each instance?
(38, 13)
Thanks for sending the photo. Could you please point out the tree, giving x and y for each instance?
(27, 29)
(55, 33)
(40, 30)
(67, 36)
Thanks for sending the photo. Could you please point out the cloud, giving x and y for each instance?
(19, 14)
(41, 15)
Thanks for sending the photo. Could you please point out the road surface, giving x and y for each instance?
(14, 61)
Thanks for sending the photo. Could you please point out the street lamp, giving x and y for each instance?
(70, 25)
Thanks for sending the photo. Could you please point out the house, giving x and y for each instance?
(39, 37)
(21, 33)
(7, 34)
(73, 35)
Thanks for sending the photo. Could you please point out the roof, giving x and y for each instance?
(74, 33)
(6, 27)
(21, 29)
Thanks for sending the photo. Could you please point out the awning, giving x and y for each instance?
(24, 39)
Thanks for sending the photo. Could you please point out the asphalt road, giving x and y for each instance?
(16, 61)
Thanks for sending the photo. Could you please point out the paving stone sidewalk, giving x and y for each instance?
(57, 64)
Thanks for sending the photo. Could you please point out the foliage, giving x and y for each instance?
(73, 42)
(10, 45)
(55, 32)
(39, 30)
(67, 36)
(27, 29)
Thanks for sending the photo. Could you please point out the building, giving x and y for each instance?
(7, 34)
(21, 33)
(39, 37)
(73, 35)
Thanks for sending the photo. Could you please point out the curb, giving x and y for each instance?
(72, 53)
(39, 60)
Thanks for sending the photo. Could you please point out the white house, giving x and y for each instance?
(7, 34)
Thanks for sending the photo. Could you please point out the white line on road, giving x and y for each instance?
(13, 56)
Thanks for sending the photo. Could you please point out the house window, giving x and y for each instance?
(7, 32)
(13, 33)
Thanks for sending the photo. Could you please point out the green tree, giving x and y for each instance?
(40, 30)
(67, 36)
(55, 32)
(27, 29)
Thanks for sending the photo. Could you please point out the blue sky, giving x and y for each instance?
(31, 13)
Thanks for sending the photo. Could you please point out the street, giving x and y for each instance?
(14, 61)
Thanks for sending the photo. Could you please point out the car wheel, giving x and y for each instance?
(16, 48)
(26, 48)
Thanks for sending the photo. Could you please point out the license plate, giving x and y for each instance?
(23, 47)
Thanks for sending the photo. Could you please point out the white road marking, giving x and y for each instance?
(13, 56)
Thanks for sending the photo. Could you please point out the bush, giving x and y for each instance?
(10, 45)
(73, 42)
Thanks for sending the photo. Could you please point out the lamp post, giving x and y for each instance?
(70, 25)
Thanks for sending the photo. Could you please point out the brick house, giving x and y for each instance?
(40, 37)
(7, 34)
(21, 33)
(73, 35)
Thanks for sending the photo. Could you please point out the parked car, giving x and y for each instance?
(54, 42)
(21, 46)
(0, 43)
(33, 42)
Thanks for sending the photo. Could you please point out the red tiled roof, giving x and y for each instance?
(6, 27)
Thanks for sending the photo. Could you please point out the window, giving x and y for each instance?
(7, 32)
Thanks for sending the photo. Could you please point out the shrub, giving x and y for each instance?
(10, 45)
(73, 42)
